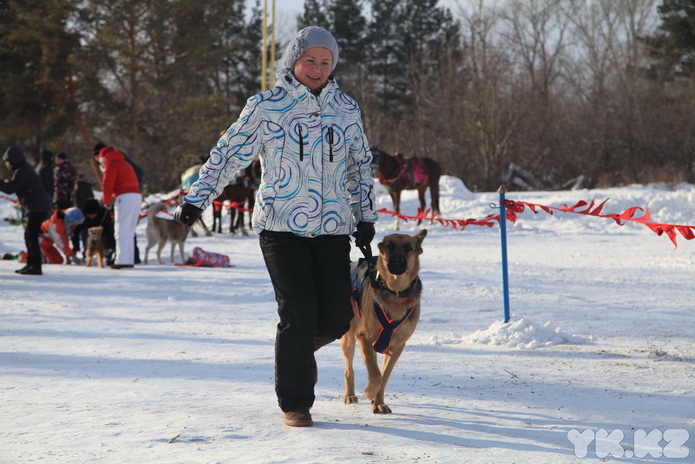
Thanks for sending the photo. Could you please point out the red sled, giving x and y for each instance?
(202, 258)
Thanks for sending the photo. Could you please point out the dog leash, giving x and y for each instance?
(371, 268)
(107, 211)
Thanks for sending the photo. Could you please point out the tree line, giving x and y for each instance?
(536, 93)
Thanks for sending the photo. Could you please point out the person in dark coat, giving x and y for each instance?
(45, 170)
(83, 191)
(95, 215)
(32, 195)
(64, 176)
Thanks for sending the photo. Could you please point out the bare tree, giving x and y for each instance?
(536, 32)
(604, 72)
(637, 19)
(537, 29)
(494, 109)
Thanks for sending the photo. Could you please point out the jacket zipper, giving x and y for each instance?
(301, 145)
(369, 197)
(330, 143)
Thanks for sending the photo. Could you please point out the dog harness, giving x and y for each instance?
(383, 340)
(412, 172)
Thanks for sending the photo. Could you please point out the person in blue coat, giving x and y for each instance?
(26, 183)
(316, 190)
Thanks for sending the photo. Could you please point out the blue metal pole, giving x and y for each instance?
(503, 237)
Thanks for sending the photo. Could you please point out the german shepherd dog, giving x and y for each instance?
(387, 310)
(95, 247)
(160, 230)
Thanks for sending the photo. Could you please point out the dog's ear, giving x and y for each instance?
(419, 237)
(380, 246)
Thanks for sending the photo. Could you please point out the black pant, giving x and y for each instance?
(311, 279)
(31, 238)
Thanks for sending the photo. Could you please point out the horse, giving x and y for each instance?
(398, 173)
(241, 194)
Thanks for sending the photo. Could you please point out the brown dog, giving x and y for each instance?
(160, 230)
(95, 246)
(387, 311)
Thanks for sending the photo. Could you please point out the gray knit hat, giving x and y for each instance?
(307, 38)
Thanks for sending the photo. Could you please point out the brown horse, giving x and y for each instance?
(398, 173)
(241, 194)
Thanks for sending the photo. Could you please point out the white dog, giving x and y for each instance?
(159, 230)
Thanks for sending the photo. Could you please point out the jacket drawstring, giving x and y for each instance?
(301, 145)
(330, 143)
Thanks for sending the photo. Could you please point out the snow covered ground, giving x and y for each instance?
(165, 364)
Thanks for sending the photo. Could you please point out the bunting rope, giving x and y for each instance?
(237, 205)
(13, 200)
(630, 215)
(513, 208)
(174, 201)
(456, 224)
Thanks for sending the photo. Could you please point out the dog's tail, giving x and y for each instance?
(156, 208)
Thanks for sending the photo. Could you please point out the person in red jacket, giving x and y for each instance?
(55, 233)
(120, 186)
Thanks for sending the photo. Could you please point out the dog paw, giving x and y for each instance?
(350, 400)
(380, 409)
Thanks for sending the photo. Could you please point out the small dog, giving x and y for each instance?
(160, 230)
(387, 310)
(95, 246)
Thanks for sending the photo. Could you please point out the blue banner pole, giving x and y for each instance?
(503, 236)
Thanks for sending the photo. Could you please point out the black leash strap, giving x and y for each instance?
(371, 268)
(103, 217)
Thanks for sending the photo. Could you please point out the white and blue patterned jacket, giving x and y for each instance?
(314, 156)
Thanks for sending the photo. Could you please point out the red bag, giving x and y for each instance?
(202, 258)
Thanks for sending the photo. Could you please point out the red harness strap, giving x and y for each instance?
(399, 173)
(383, 340)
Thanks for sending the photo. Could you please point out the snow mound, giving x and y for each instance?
(453, 186)
(523, 333)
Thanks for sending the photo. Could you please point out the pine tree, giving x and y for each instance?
(349, 28)
(249, 60)
(407, 38)
(676, 45)
(387, 59)
(174, 72)
(429, 32)
(314, 15)
(36, 50)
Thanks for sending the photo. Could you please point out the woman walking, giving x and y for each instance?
(316, 190)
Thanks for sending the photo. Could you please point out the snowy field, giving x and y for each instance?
(163, 364)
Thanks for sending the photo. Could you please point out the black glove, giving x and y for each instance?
(365, 234)
(186, 214)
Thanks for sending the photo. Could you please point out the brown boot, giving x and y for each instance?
(299, 418)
